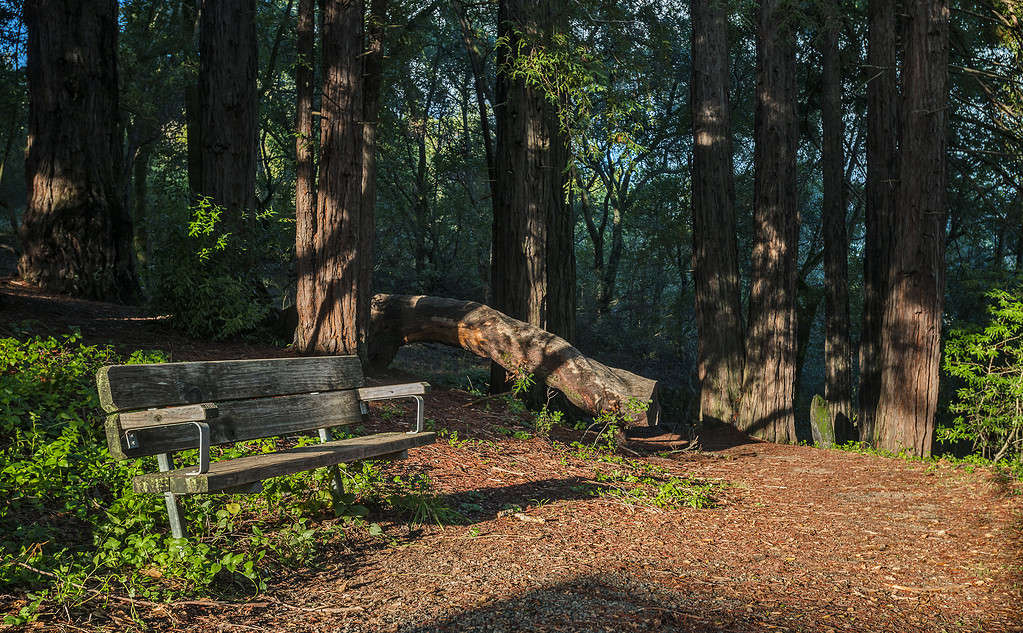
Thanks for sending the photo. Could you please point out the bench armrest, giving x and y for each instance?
(414, 390)
(167, 416)
(392, 391)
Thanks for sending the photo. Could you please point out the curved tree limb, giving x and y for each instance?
(515, 345)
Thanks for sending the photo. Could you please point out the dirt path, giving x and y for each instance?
(801, 539)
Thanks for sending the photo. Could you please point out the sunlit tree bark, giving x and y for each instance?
(76, 231)
(881, 188)
(305, 158)
(837, 345)
(770, 372)
(532, 261)
(911, 325)
(715, 253)
(334, 314)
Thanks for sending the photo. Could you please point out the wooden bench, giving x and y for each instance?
(167, 407)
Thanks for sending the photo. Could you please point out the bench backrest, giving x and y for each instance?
(246, 399)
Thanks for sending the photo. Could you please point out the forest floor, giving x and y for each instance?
(798, 539)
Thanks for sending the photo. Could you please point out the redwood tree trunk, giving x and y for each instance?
(305, 155)
(881, 188)
(715, 252)
(228, 107)
(770, 372)
(372, 79)
(76, 232)
(532, 271)
(334, 315)
(911, 325)
(837, 345)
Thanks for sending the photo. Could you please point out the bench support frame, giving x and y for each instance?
(165, 461)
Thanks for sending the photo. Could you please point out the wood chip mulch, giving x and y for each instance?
(800, 539)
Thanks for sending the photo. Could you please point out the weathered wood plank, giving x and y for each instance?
(236, 472)
(169, 415)
(124, 387)
(393, 391)
(240, 420)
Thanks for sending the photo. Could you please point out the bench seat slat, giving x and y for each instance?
(244, 470)
(123, 387)
(238, 421)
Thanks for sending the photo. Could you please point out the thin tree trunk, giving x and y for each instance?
(530, 230)
(12, 128)
(837, 344)
(140, 185)
(720, 355)
(335, 316)
(608, 273)
(76, 233)
(476, 65)
(373, 73)
(881, 189)
(769, 377)
(911, 325)
(189, 22)
(305, 156)
(228, 107)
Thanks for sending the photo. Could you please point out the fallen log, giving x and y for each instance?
(398, 320)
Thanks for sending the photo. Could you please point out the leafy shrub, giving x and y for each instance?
(218, 284)
(989, 405)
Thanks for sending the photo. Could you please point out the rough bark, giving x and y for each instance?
(228, 107)
(770, 373)
(532, 267)
(334, 316)
(513, 344)
(373, 72)
(911, 324)
(305, 154)
(837, 344)
(721, 355)
(881, 188)
(76, 233)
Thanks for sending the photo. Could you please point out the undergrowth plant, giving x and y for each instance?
(989, 362)
(207, 276)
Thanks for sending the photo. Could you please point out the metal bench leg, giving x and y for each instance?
(337, 487)
(177, 524)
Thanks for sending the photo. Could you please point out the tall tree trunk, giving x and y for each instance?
(228, 107)
(837, 344)
(911, 325)
(189, 23)
(475, 55)
(140, 186)
(335, 315)
(720, 352)
(881, 189)
(305, 155)
(76, 233)
(373, 74)
(770, 372)
(531, 233)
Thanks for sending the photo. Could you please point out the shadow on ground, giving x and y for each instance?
(619, 602)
